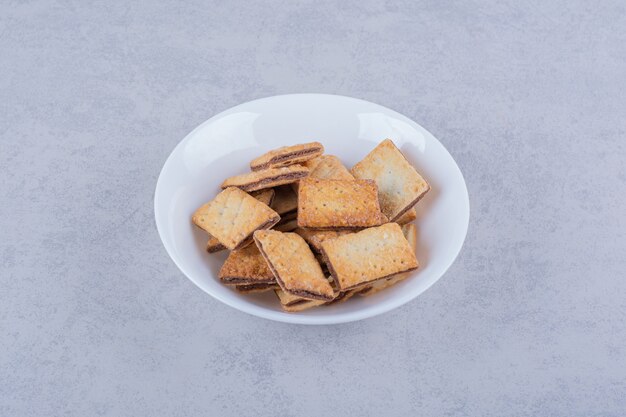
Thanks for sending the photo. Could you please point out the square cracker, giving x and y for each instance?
(410, 233)
(338, 204)
(326, 167)
(267, 178)
(287, 155)
(369, 255)
(399, 184)
(292, 303)
(264, 196)
(233, 216)
(407, 217)
(315, 237)
(246, 266)
(294, 265)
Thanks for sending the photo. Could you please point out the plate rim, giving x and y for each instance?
(296, 318)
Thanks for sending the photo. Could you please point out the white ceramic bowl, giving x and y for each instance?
(349, 128)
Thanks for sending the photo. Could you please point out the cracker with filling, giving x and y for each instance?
(410, 233)
(287, 155)
(293, 264)
(372, 254)
(338, 204)
(232, 216)
(292, 303)
(267, 178)
(399, 184)
(246, 266)
(326, 167)
(264, 196)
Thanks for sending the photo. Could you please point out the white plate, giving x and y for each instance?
(349, 128)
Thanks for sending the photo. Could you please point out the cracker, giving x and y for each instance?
(399, 184)
(287, 155)
(264, 196)
(315, 237)
(293, 264)
(233, 216)
(292, 303)
(285, 201)
(410, 233)
(369, 255)
(245, 267)
(267, 178)
(407, 217)
(338, 204)
(288, 300)
(326, 167)
(255, 288)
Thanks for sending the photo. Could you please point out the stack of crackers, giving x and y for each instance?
(304, 226)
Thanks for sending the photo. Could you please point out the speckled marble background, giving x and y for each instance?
(529, 97)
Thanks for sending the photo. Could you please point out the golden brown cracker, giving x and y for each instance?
(267, 178)
(399, 184)
(292, 303)
(246, 266)
(287, 155)
(369, 255)
(264, 196)
(232, 216)
(328, 167)
(410, 233)
(293, 264)
(338, 204)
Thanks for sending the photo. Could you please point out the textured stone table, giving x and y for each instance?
(529, 97)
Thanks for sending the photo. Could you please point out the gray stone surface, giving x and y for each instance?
(529, 97)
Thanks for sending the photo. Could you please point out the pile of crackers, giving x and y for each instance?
(304, 226)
